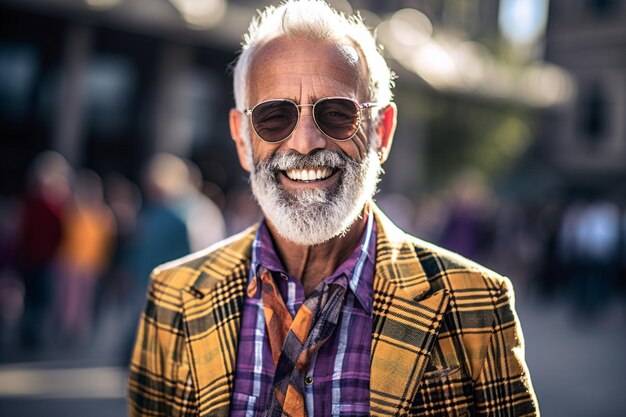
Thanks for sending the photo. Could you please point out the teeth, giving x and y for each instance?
(308, 174)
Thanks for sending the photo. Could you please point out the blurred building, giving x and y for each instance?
(587, 138)
(109, 82)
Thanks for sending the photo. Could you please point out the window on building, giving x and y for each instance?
(110, 81)
(594, 117)
(602, 7)
(19, 65)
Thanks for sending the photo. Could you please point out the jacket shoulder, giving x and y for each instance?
(448, 270)
(216, 260)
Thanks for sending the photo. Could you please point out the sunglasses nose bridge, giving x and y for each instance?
(306, 109)
(306, 135)
(306, 115)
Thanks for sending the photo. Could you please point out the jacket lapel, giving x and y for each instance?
(212, 315)
(406, 322)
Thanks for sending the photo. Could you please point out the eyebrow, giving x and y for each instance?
(315, 99)
(311, 99)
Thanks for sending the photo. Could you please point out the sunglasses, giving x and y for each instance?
(338, 118)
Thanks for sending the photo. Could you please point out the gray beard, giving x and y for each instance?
(314, 216)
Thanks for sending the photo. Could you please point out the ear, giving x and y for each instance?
(239, 139)
(385, 129)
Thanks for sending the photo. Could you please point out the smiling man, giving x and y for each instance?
(325, 308)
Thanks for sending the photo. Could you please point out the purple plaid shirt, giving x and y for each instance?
(337, 383)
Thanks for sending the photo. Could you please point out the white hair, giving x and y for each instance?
(312, 19)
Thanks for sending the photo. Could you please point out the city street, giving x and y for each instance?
(509, 141)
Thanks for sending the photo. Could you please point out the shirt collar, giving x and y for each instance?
(358, 268)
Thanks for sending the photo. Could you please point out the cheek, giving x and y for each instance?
(261, 151)
(359, 142)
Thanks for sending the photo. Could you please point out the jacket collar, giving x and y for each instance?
(223, 262)
(396, 260)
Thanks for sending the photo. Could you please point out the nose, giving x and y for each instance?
(307, 137)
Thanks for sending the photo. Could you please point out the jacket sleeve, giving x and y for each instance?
(503, 387)
(160, 383)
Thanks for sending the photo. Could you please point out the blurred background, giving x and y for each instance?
(115, 156)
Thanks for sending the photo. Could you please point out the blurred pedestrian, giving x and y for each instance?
(39, 236)
(597, 239)
(11, 286)
(161, 231)
(551, 274)
(204, 220)
(124, 199)
(468, 229)
(89, 230)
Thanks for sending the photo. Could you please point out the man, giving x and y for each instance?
(325, 308)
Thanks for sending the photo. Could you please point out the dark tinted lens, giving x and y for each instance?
(273, 121)
(337, 117)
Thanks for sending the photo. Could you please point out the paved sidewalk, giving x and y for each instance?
(578, 367)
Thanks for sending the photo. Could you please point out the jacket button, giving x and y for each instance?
(308, 380)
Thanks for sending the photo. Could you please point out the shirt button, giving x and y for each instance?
(308, 380)
(285, 277)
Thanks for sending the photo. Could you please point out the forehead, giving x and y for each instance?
(304, 69)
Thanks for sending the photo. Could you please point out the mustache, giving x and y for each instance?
(322, 158)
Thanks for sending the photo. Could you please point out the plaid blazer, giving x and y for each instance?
(445, 339)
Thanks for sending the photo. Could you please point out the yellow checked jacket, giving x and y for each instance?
(445, 338)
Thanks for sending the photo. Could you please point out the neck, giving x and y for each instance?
(311, 264)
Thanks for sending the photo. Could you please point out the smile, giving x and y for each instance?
(317, 174)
